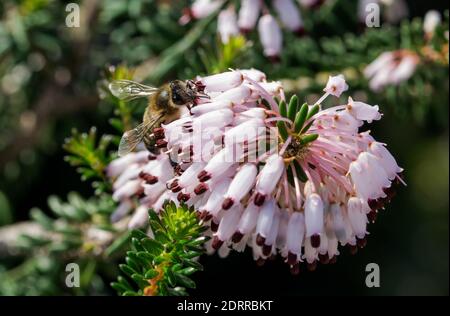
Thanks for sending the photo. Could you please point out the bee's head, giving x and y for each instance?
(181, 94)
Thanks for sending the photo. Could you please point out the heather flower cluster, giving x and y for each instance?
(395, 67)
(391, 68)
(253, 14)
(279, 177)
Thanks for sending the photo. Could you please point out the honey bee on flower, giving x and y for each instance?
(283, 178)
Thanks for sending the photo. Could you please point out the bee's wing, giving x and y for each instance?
(129, 90)
(132, 138)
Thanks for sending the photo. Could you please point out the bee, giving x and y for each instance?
(164, 106)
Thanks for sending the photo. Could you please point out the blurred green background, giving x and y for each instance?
(48, 85)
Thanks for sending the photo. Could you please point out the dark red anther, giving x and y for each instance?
(205, 178)
(361, 242)
(266, 250)
(333, 260)
(259, 199)
(214, 226)
(158, 132)
(202, 175)
(201, 188)
(161, 143)
(373, 204)
(151, 157)
(227, 203)
(182, 197)
(244, 31)
(149, 179)
(202, 214)
(291, 258)
(390, 192)
(353, 249)
(311, 266)
(173, 184)
(324, 259)
(372, 216)
(300, 32)
(216, 243)
(260, 262)
(274, 59)
(295, 269)
(200, 86)
(176, 189)
(260, 240)
(317, 4)
(140, 193)
(237, 237)
(315, 241)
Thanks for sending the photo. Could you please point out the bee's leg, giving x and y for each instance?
(150, 141)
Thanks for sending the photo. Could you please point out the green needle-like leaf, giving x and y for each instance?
(160, 265)
(292, 108)
(300, 117)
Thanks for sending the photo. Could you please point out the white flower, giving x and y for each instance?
(249, 14)
(289, 15)
(314, 218)
(391, 68)
(270, 36)
(227, 24)
(363, 111)
(431, 20)
(202, 8)
(336, 85)
(395, 10)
